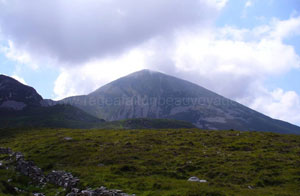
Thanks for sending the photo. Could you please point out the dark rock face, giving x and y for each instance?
(102, 191)
(14, 94)
(62, 179)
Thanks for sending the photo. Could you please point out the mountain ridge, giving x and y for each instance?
(145, 94)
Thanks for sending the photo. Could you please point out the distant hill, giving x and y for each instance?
(22, 106)
(154, 95)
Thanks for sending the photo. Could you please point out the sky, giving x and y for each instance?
(245, 50)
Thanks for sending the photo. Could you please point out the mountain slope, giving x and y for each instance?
(148, 94)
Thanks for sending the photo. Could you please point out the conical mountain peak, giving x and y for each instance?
(151, 94)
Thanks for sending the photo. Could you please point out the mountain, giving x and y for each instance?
(154, 95)
(16, 96)
(22, 106)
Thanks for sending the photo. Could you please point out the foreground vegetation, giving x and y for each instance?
(159, 162)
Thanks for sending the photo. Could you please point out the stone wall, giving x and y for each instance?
(62, 179)
(59, 178)
(102, 191)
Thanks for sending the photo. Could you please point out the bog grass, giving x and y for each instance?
(159, 162)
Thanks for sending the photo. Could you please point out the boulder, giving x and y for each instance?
(38, 194)
(196, 179)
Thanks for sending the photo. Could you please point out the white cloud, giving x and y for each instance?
(76, 31)
(286, 28)
(248, 4)
(218, 3)
(279, 104)
(20, 79)
(221, 59)
(19, 56)
(90, 76)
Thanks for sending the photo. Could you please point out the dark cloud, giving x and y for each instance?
(75, 31)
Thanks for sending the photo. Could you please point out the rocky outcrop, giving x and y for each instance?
(59, 178)
(62, 179)
(102, 191)
(16, 95)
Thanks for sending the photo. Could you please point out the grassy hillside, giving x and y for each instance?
(159, 162)
(144, 123)
(65, 116)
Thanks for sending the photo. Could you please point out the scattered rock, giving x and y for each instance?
(18, 156)
(68, 138)
(18, 190)
(5, 151)
(102, 191)
(38, 194)
(28, 168)
(195, 179)
(250, 187)
(100, 165)
(63, 179)
(59, 178)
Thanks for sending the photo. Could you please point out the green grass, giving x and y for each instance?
(159, 162)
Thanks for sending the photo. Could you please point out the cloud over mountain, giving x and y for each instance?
(93, 42)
